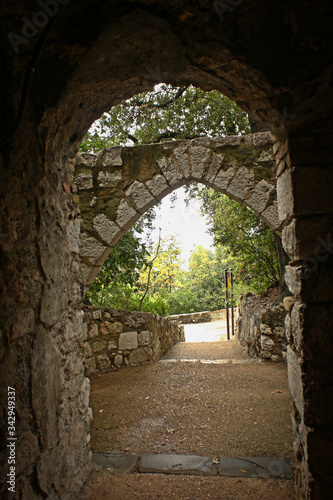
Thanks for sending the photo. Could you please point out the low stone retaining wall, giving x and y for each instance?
(197, 317)
(122, 338)
(262, 332)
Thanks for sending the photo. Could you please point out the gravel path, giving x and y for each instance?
(194, 407)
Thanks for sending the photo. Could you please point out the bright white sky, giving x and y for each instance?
(185, 223)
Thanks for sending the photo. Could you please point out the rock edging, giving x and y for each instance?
(125, 338)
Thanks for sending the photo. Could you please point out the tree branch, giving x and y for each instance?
(150, 268)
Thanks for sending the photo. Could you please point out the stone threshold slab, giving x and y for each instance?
(251, 467)
(212, 361)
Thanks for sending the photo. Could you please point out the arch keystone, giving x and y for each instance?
(200, 157)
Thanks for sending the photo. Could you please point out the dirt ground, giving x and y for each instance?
(184, 407)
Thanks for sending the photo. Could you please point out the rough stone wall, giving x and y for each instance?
(283, 73)
(117, 185)
(262, 332)
(123, 338)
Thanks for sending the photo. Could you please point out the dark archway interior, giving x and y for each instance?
(63, 68)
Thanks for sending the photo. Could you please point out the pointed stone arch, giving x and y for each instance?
(119, 184)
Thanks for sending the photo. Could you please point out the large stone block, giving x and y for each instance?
(128, 340)
(223, 179)
(126, 215)
(199, 160)
(140, 196)
(295, 380)
(91, 249)
(108, 179)
(84, 181)
(140, 355)
(305, 191)
(242, 183)
(106, 229)
(171, 172)
(214, 167)
(111, 157)
(158, 186)
(181, 156)
(260, 196)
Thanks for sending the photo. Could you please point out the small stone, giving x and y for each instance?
(93, 332)
(97, 314)
(288, 303)
(104, 363)
(118, 360)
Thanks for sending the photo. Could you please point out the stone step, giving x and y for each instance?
(252, 467)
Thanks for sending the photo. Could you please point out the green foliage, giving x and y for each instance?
(242, 241)
(167, 113)
(202, 287)
(237, 228)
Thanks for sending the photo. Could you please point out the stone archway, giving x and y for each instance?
(274, 58)
(119, 184)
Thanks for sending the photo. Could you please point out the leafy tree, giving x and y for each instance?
(244, 234)
(166, 272)
(167, 113)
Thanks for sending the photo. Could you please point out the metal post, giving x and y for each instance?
(231, 303)
(226, 301)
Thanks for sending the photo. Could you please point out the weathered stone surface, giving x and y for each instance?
(115, 462)
(260, 196)
(90, 249)
(259, 467)
(73, 233)
(108, 179)
(158, 186)
(128, 340)
(46, 388)
(181, 156)
(111, 157)
(118, 360)
(140, 195)
(262, 332)
(223, 178)
(214, 167)
(144, 338)
(93, 331)
(177, 464)
(84, 181)
(271, 216)
(170, 171)
(125, 214)
(295, 379)
(199, 160)
(106, 327)
(241, 185)
(106, 229)
(140, 355)
(104, 363)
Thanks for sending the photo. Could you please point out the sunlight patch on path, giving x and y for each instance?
(214, 331)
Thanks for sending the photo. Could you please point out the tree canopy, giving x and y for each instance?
(241, 239)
